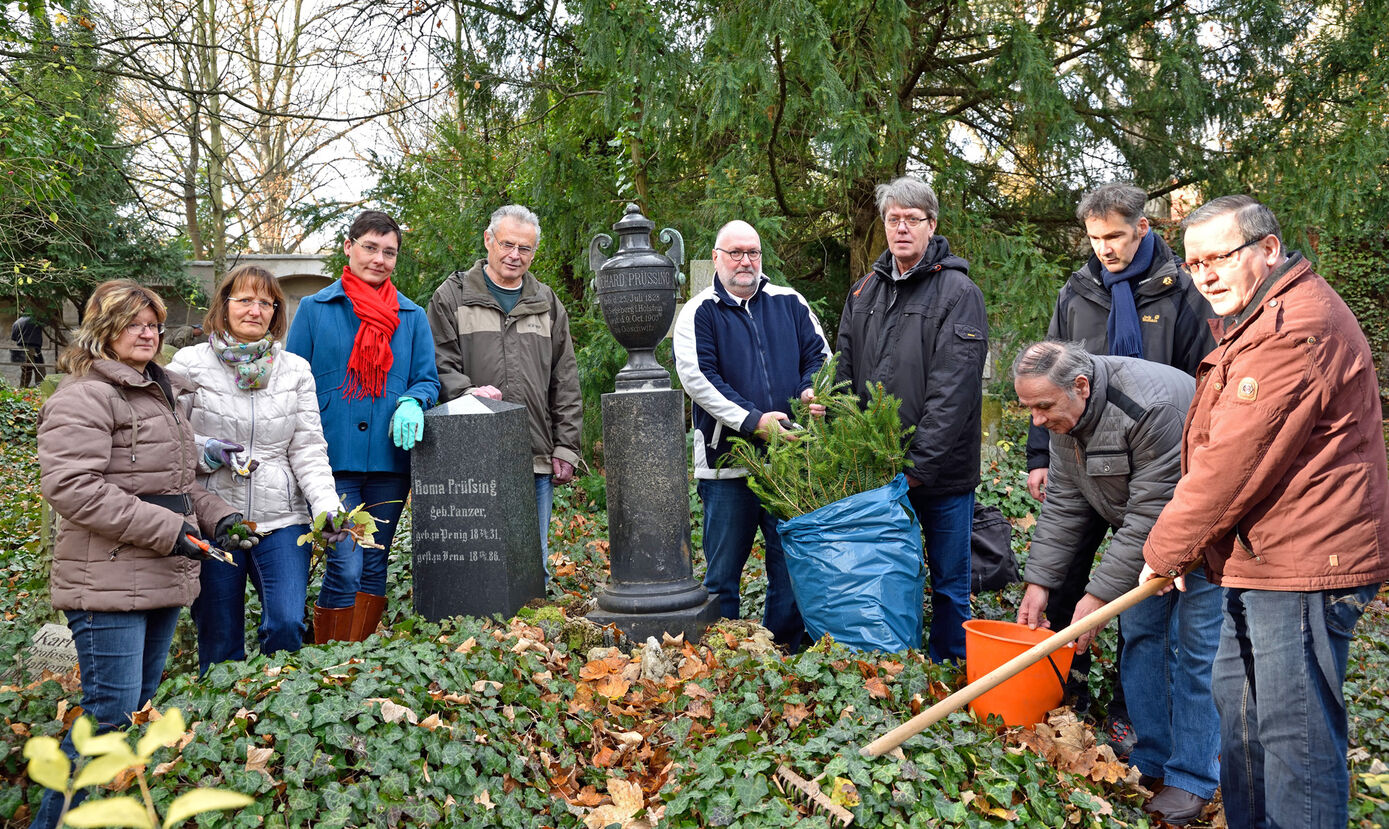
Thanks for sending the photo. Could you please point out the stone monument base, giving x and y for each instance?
(690, 621)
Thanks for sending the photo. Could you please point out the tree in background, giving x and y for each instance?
(69, 216)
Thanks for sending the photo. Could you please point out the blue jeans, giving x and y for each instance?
(352, 568)
(544, 506)
(732, 515)
(1169, 646)
(279, 569)
(946, 524)
(121, 656)
(1284, 765)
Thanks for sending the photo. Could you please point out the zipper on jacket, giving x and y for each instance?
(250, 451)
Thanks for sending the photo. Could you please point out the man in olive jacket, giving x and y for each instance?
(501, 333)
(1285, 497)
(917, 325)
(1116, 437)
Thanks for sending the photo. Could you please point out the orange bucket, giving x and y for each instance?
(1026, 698)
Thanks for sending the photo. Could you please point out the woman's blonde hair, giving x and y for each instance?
(112, 307)
(246, 278)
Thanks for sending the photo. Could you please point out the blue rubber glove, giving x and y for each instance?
(407, 425)
(221, 452)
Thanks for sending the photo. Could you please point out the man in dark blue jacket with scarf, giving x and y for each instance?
(1129, 300)
(744, 349)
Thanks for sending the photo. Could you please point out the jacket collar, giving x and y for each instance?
(729, 299)
(1162, 276)
(936, 258)
(473, 291)
(1094, 404)
(1278, 277)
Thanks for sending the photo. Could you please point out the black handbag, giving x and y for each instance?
(992, 564)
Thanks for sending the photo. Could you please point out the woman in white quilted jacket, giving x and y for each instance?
(254, 411)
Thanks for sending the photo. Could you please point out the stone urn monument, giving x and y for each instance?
(651, 588)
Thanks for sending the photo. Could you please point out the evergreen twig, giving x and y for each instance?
(853, 448)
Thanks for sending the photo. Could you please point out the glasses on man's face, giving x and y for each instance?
(740, 255)
(371, 250)
(912, 222)
(1210, 262)
(246, 303)
(512, 247)
(135, 329)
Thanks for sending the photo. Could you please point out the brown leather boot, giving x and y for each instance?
(332, 624)
(369, 609)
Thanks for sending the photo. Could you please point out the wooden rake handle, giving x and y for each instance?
(1010, 669)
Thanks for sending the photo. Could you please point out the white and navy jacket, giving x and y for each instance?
(740, 358)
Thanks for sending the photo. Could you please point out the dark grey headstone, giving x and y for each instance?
(476, 539)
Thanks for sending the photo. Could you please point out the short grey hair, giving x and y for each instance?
(907, 192)
(1117, 197)
(517, 212)
(1059, 362)
(1254, 219)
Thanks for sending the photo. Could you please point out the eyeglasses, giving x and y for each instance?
(512, 247)
(912, 222)
(1210, 262)
(371, 250)
(245, 303)
(135, 329)
(740, 255)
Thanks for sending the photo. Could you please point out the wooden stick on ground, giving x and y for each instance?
(1010, 669)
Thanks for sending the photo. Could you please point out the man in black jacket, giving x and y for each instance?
(916, 324)
(1129, 300)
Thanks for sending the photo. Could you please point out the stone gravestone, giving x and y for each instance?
(476, 539)
(52, 650)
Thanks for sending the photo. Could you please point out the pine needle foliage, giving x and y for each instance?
(852, 449)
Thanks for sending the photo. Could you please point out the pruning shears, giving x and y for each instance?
(212, 552)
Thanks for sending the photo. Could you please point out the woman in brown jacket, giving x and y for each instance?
(118, 465)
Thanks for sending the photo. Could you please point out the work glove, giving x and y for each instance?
(185, 546)
(233, 533)
(407, 425)
(563, 471)
(333, 531)
(221, 453)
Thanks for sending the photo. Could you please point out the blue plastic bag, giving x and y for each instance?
(857, 571)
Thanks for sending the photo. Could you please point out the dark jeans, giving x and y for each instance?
(1277, 682)
(352, 568)
(946, 524)
(279, 569)
(121, 656)
(732, 515)
(1170, 643)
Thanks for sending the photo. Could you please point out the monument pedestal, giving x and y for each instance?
(476, 530)
(652, 589)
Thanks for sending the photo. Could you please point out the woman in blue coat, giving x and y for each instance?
(372, 357)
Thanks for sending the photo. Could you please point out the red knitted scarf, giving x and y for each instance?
(378, 307)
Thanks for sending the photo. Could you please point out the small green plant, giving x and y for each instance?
(852, 449)
(329, 529)
(107, 756)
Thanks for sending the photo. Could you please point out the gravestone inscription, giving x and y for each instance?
(476, 535)
(51, 649)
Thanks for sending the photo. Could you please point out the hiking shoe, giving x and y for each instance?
(1151, 783)
(1119, 733)
(1176, 806)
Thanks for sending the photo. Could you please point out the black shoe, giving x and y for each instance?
(1176, 806)
(1120, 736)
